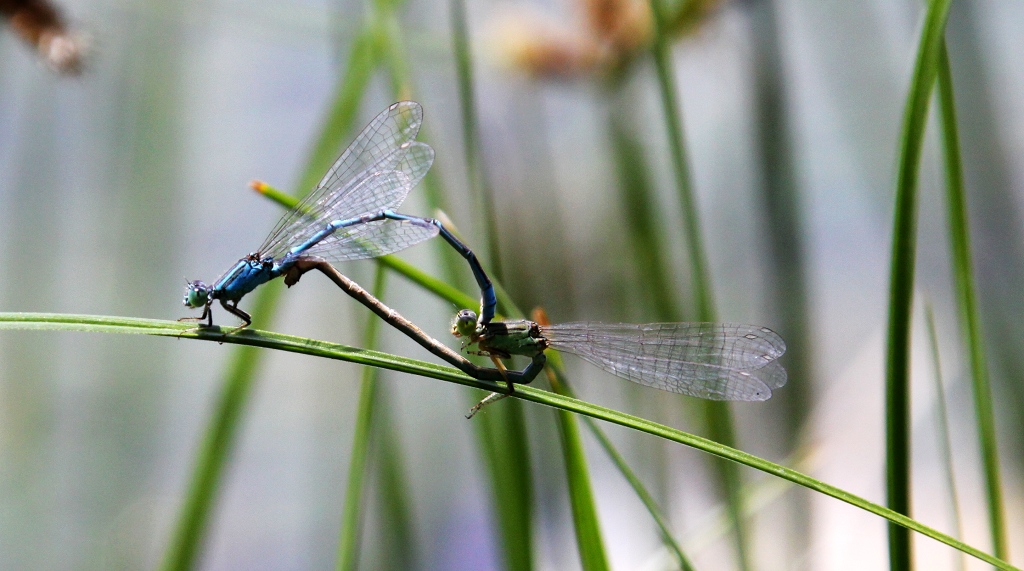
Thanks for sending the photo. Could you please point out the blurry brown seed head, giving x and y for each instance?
(531, 43)
(625, 25)
(606, 38)
(40, 23)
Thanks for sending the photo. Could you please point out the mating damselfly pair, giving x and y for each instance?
(350, 215)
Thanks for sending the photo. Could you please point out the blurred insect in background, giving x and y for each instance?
(41, 24)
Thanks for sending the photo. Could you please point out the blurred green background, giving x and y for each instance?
(123, 182)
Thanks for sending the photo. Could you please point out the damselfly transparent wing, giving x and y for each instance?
(373, 239)
(385, 144)
(376, 238)
(368, 194)
(708, 360)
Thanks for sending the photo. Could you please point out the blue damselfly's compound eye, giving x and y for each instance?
(197, 294)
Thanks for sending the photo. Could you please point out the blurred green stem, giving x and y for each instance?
(671, 109)
(505, 446)
(475, 172)
(581, 492)
(720, 423)
(348, 545)
(901, 292)
(218, 442)
(780, 206)
(963, 271)
(397, 519)
(191, 528)
(945, 440)
(638, 204)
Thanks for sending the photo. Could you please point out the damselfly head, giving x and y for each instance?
(197, 294)
(464, 324)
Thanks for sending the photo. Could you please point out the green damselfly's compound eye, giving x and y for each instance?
(464, 324)
(197, 294)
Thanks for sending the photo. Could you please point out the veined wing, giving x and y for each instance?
(373, 239)
(385, 144)
(708, 360)
(364, 239)
(370, 193)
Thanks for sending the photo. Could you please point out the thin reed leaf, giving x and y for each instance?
(184, 547)
(638, 205)
(256, 338)
(190, 531)
(351, 520)
(581, 493)
(506, 445)
(475, 171)
(779, 203)
(247, 338)
(718, 414)
(397, 520)
(944, 437)
(501, 433)
(667, 90)
(664, 528)
(967, 303)
(901, 288)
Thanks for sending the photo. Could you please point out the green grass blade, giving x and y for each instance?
(435, 286)
(641, 491)
(720, 423)
(341, 116)
(512, 486)
(502, 434)
(740, 457)
(581, 493)
(249, 337)
(300, 345)
(963, 271)
(478, 183)
(901, 289)
(944, 437)
(219, 439)
(397, 519)
(348, 544)
(581, 496)
(638, 205)
(661, 50)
